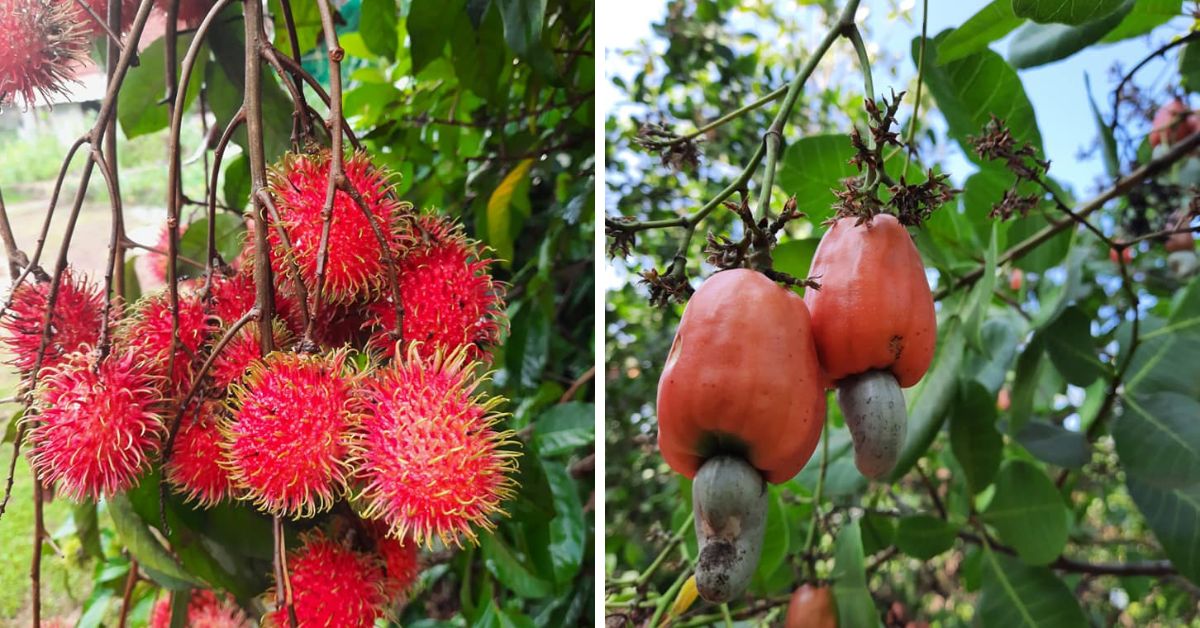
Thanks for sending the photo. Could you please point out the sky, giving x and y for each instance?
(1056, 90)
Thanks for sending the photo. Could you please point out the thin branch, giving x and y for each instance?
(127, 595)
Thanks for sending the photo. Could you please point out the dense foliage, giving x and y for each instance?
(1049, 475)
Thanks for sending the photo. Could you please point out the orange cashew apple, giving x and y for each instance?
(812, 607)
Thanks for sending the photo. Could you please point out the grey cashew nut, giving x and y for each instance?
(729, 499)
(878, 420)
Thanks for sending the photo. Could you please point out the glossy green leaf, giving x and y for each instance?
(1054, 444)
(1028, 513)
(140, 106)
(428, 25)
(1108, 143)
(812, 168)
(1158, 439)
(141, 543)
(854, 604)
(1064, 11)
(236, 186)
(980, 297)
(377, 24)
(523, 31)
(568, 531)
(776, 538)
(923, 536)
(1174, 516)
(1145, 17)
(1039, 44)
(1015, 594)
(1028, 374)
(1071, 347)
(230, 233)
(87, 528)
(1166, 356)
(794, 257)
(992, 22)
(511, 570)
(973, 436)
(565, 427)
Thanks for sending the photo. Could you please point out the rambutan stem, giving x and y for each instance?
(301, 289)
(127, 595)
(35, 566)
(281, 571)
(295, 68)
(389, 263)
(16, 259)
(114, 195)
(237, 121)
(301, 128)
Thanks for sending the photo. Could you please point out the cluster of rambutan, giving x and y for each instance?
(356, 405)
(46, 41)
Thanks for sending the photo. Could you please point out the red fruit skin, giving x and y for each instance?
(287, 438)
(1172, 123)
(78, 310)
(148, 331)
(1181, 242)
(93, 28)
(43, 45)
(429, 457)
(194, 469)
(401, 562)
(356, 262)
(812, 607)
(743, 372)
(1016, 280)
(232, 363)
(95, 431)
(232, 296)
(332, 585)
(450, 300)
(874, 309)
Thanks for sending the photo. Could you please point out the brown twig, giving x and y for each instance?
(127, 595)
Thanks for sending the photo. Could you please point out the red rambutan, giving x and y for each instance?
(43, 45)
(332, 585)
(205, 610)
(190, 13)
(291, 421)
(242, 350)
(356, 262)
(95, 429)
(194, 469)
(429, 456)
(152, 265)
(401, 562)
(78, 310)
(148, 331)
(234, 295)
(450, 300)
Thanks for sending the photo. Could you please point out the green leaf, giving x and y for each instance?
(307, 17)
(133, 288)
(1064, 11)
(1056, 445)
(225, 90)
(568, 532)
(776, 538)
(503, 203)
(1189, 67)
(96, 608)
(854, 604)
(794, 257)
(878, 532)
(565, 427)
(973, 436)
(1174, 515)
(236, 185)
(1108, 143)
(1028, 373)
(136, 537)
(511, 570)
(990, 366)
(976, 306)
(87, 528)
(1039, 44)
(1158, 439)
(1145, 17)
(971, 90)
(1071, 347)
(1166, 358)
(931, 398)
(523, 32)
(991, 23)
(535, 498)
(377, 24)
(923, 536)
(429, 23)
(139, 103)
(1016, 594)
(193, 245)
(1028, 513)
(812, 168)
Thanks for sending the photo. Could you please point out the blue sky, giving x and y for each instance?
(1056, 90)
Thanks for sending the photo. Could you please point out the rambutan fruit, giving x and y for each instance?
(234, 295)
(95, 429)
(42, 47)
(78, 310)
(332, 585)
(205, 610)
(191, 12)
(243, 350)
(449, 298)
(429, 456)
(287, 437)
(148, 331)
(401, 562)
(340, 325)
(194, 469)
(152, 265)
(356, 263)
(129, 9)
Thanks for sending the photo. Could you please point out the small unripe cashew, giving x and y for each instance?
(729, 498)
(878, 420)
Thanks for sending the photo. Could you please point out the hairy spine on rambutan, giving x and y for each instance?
(194, 469)
(95, 429)
(231, 364)
(287, 435)
(332, 585)
(428, 456)
(42, 47)
(148, 331)
(401, 561)
(356, 262)
(78, 310)
(449, 297)
(232, 296)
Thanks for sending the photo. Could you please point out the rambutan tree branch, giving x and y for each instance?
(16, 259)
(389, 262)
(238, 119)
(297, 279)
